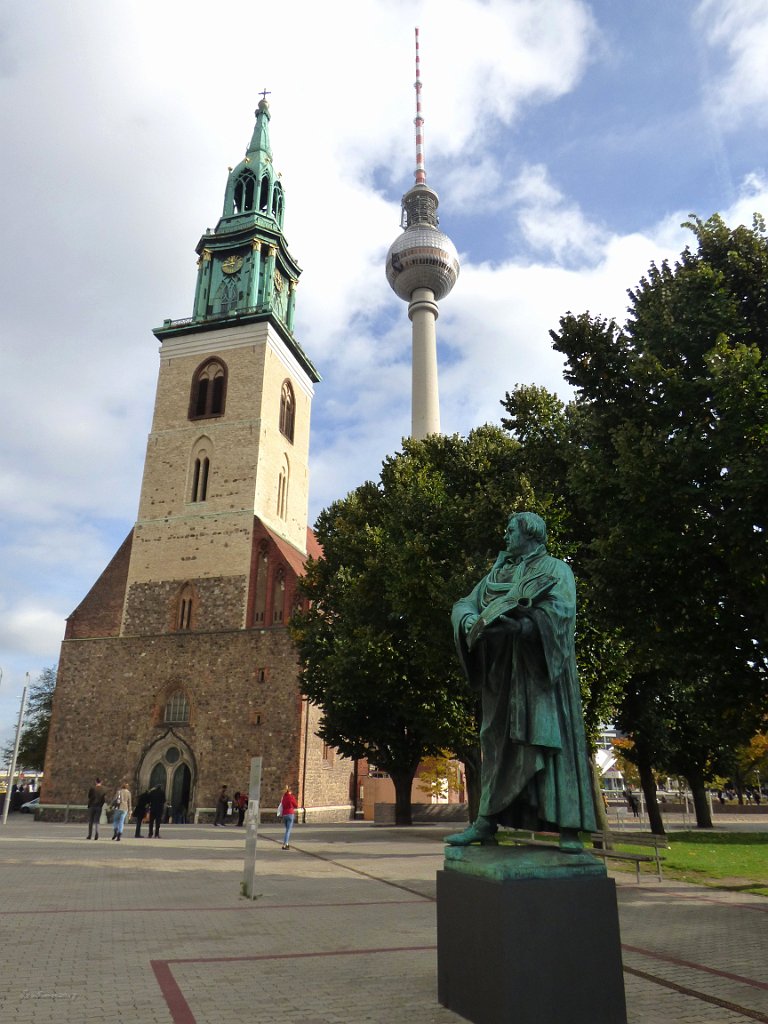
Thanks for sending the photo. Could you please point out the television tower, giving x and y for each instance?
(422, 267)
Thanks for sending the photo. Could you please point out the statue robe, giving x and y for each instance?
(535, 769)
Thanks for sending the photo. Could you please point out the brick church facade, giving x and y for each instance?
(177, 668)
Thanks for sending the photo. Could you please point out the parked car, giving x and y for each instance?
(30, 806)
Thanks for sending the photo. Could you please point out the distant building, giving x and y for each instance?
(177, 668)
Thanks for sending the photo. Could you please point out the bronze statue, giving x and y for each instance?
(514, 634)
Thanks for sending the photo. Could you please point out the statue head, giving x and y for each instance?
(531, 526)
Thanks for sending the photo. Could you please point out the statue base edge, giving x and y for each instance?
(504, 863)
(529, 950)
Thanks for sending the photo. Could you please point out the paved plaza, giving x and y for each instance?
(342, 931)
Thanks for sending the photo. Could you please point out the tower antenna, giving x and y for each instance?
(420, 173)
(422, 267)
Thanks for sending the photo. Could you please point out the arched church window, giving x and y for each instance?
(177, 709)
(264, 195)
(287, 410)
(226, 297)
(245, 192)
(186, 607)
(282, 490)
(260, 602)
(200, 472)
(278, 597)
(209, 390)
(277, 203)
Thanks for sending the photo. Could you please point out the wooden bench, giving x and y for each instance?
(603, 843)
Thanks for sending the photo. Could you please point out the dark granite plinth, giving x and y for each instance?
(529, 950)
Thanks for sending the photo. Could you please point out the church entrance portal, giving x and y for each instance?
(169, 763)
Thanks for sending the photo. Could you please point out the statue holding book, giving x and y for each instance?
(515, 637)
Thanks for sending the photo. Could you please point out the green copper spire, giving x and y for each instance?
(245, 271)
(252, 186)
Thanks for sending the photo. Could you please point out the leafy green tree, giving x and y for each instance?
(376, 644)
(37, 721)
(670, 473)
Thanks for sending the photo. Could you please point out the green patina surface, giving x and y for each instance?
(504, 863)
(245, 271)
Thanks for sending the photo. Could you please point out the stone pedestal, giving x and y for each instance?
(527, 936)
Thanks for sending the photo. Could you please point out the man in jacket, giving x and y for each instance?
(96, 796)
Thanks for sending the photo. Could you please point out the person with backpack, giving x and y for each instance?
(121, 809)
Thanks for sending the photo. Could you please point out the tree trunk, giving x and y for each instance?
(471, 760)
(648, 785)
(700, 803)
(403, 783)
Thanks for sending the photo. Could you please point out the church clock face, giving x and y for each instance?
(232, 264)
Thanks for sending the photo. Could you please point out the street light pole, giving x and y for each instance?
(22, 709)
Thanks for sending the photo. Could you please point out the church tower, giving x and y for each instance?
(230, 433)
(177, 667)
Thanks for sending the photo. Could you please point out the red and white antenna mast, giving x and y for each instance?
(420, 173)
(422, 267)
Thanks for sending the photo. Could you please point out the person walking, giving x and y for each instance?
(141, 809)
(96, 797)
(240, 804)
(222, 802)
(121, 806)
(288, 806)
(156, 810)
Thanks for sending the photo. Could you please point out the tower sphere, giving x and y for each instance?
(422, 257)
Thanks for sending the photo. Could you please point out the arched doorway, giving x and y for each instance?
(169, 763)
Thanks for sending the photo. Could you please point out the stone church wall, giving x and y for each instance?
(153, 607)
(242, 688)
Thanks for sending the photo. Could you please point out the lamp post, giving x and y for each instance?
(12, 769)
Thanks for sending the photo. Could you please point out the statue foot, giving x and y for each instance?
(570, 841)
(481, 831)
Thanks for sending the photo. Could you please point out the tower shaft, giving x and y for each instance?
(422, 267)
(425, 399)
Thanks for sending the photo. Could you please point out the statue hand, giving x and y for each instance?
(507, 625)
(468, 622)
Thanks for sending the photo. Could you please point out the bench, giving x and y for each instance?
(603, 842)
(602, 845)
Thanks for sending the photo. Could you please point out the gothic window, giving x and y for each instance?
(264, 195)
(209, 390)
(287, 410)
(185, 607)
(226, 297)
(282, 491)
(278, 597)
(277, 203)
(177, 709)
(245, 192)
(260, 603)
(200, 470)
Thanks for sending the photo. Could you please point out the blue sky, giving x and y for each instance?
(567, 140)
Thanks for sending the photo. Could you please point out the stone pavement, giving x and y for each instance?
(342, 932)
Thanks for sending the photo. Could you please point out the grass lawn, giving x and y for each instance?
(737, 861)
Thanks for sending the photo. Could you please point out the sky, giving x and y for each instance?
(568, 141)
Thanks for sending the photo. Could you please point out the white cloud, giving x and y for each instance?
(551, 224)
(738, 86)
(29, 628)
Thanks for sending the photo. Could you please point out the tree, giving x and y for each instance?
(37, 720)
(672, 447)
(376, 645)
